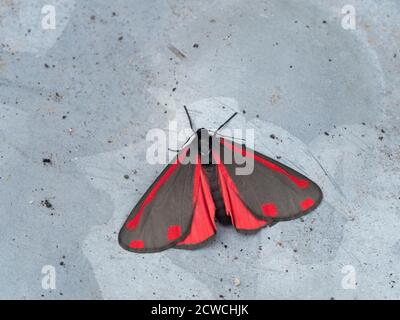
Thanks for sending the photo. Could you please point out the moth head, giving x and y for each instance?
(204, 145)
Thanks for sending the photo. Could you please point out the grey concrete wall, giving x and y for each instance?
(86, 93)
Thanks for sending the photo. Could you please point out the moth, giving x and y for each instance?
(201, 187)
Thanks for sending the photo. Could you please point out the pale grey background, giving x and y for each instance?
(108, 69)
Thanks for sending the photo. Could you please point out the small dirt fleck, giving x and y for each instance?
(46, 161)
(326, 133)
(272, 136)
(126, 176)
(46, 203)
(196, 45)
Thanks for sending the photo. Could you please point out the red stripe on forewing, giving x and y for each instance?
(241, 217)
(203, 225)
(132, 224)
(301, 183)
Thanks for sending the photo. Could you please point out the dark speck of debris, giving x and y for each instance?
(64, 117)
(272, 136)
(324, 21)
(383, 131)
(120, 38)
(62, 263)
(173, 89)
(196, 45)
(326, 133)
(46, 65)
(244, 111)
(46, 203)
(46, 161)
(92, 18)
(257, 115)
(363, 123)
(291, 67)
(381, 138)
(126, 176)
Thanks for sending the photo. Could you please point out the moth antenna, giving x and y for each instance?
(190, 119)
(179, 150)
(225, 123)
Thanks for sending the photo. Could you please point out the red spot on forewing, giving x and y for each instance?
(269, 210)
(306, 204)
(136, 244)
(174, 232)
(302, 184)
